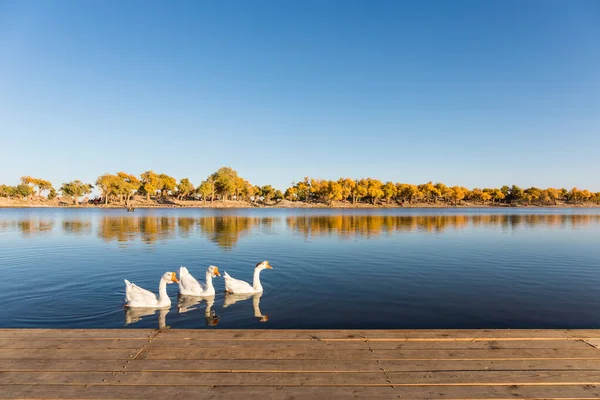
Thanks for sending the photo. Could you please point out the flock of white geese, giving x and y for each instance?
(141, 302)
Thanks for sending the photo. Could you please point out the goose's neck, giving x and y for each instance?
(256, 283)
(209, 284)
(163, 297)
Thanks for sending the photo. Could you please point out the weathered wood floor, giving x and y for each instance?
(290, 364)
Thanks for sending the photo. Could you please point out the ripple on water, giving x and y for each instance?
(332, 269)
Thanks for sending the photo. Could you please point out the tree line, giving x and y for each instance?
(374, 192)
(225, 184)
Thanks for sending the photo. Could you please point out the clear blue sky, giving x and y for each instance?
(476, 93)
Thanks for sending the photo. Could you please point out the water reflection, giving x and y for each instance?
(189, 303)
(231, 299)
(133, 315)
(373, 225)
(77, 227)
(227, 230)
(149, 229)
(28, 227)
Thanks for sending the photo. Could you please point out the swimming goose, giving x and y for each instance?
(138, 297)
(237, 286)
(189, 286)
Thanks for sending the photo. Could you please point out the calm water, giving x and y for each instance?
(526, 268)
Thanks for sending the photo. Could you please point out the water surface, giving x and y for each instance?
(400, 268)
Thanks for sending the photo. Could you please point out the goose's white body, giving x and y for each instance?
(138, 297)
(189, 286)
(237, 286)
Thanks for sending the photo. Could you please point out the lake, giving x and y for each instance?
(332, 269)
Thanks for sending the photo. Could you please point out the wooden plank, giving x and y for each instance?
(327, 354)
(444, 378)
(164, 343)
(494, 378)
(186, 392)
(255, 354)
(480, 345)
(583, 392)
(199, 379)
(266, 366)
(66, 343)
(36, 364)
(485, 334)
(78, 333)
(593, 342)
(174, 334)
(358, 365)
(450, 335)
(68, 354)
(508, 354)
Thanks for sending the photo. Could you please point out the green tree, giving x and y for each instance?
(389, 191)
(43, 186)
(374, 190)
(516, 193)
(347, 185)
(291, 194)
(206, 188)
(184, 188)
(278, 195)
(457, 194)
(76, 189)
(151, 183)
(167, 184)
(332, 191)
(267, 192)
(226, 179)
(429, 191)
(497, 195)
(127, 185)
(107, 185)
(359, 191)
(408, 192)
(23, 190)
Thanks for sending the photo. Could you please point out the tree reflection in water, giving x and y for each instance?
(227, 231)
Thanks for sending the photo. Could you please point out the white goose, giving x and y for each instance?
(237, 286)
(189, 286)
(138, 297)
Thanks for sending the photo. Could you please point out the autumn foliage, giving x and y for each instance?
(226, 185)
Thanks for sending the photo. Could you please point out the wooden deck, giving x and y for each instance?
(292, 364)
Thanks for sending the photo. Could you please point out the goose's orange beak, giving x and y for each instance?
(174, 277)
(268, 266)
(217, 273)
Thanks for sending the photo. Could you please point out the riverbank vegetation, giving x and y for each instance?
(225, 186)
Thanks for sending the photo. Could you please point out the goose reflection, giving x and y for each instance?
(231, 299)
(133, 315)
(188, 303)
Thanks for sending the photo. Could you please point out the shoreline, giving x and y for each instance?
(283, 205)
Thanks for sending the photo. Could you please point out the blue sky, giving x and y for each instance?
(475, 93)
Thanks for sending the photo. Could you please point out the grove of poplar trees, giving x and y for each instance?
(225, 184)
